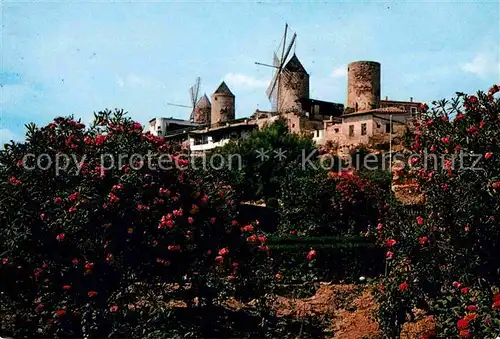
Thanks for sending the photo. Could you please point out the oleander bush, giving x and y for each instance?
(91, 247)
(445, 260)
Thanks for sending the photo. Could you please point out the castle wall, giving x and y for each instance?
(363, 85)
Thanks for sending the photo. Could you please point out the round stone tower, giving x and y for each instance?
(293, 85)
(223, 108)
(202, 110)
(363, 85)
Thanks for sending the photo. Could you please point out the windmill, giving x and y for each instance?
(193, 93)
(273, 91)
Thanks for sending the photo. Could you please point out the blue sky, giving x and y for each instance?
(62, 58)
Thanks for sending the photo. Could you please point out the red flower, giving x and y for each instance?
(380, 226)
(464, 290)
(388, 255)
(488, 155)
(231, 277)
(223, 251)
(74, 196)
(60, 237)
(459, 117)
(173, 247)
(472, 308)
(19, 163)
(247, 228)
(66, 287)
(278, 276)
(420, 220)
(403, 287)
(89, 266)
(463, 324)
(212, 220)
(423, 240)
(219, 259)
(465, 334)
(113, 308)
(473, 130)
(190, 220)
(92, 294)
(473, 99)
(60, 313)
(263, 248)
(262, 239)
(100, 139)
(390, 242)
(234, 223)
(39, 307)
(482, 124)
(5, 261)
(310, 256)
(445, 140)
(458, 148)
(72, 209)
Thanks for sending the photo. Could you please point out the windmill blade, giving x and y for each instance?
(284, 43)
(289, 49)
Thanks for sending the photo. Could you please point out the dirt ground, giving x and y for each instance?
(350, 310)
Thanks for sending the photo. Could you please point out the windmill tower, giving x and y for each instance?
(202, 111)
(223, 104)
(193, 93)
(290, 81)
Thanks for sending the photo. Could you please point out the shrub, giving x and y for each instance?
(454, 241)
(79, 243)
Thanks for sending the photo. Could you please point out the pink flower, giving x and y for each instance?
(456, 284)
(190, 220)
(445, 140)
(60, 237)
(310, 256)
(488, 155)
(72, 209)
(464, 290)
(5, 261)
(223, 251)
(420, 220)
(113, 308)
(74, 196)
(379, 226)
(219, 259)
(390, 242)
(388, 255)
(14, 181)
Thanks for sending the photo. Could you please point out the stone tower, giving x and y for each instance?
(223, 108)
(293, 85)
(363, 85)
(202, 110)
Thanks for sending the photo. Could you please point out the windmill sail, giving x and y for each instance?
(278, 63)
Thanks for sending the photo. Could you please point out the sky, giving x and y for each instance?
(76, 58)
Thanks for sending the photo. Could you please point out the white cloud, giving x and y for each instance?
(6, 136)
(339, 72)
(483, 65)
(244, 82)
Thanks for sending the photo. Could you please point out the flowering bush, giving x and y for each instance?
(83, 243)
(444, 259)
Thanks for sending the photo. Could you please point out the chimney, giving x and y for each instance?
(411, 99)
(386, 98)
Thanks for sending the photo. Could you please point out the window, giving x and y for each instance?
(413, 111)
(388, 128)
(316, 109)
(293, 125)
(351, 130)
(363, 129)
(336, 130)
(356, 107)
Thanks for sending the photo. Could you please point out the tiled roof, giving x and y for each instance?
(203, 102)
(223, 89)
(294, 65)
